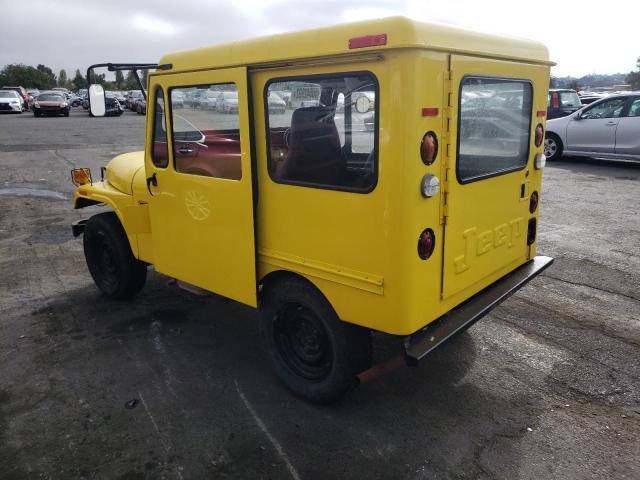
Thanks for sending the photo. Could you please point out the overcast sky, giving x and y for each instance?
(582, 36)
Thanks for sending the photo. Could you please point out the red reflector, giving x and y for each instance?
(430, 112)
(426, 244)
(82, 192)
(555, 101)
(368, 41)
(542, 113)
(533, 202)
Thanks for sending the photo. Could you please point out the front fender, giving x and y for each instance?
(134, 216)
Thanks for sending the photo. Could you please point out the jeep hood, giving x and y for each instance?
(121, 169)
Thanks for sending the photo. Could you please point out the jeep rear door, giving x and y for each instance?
(488, 183)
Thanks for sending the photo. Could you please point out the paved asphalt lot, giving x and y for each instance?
(546, 387)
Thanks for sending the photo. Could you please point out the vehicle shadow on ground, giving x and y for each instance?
(411, 423)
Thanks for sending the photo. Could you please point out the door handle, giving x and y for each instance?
(185, 150)
(152, 180)
(611, 124)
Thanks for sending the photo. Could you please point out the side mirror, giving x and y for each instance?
(97, 100)
(577, 116)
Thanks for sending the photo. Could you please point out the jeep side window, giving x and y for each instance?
(206, 136)
(159, 152)
(325, 135)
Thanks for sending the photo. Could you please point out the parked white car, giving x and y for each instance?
(209, 100)
(10, 101)
(227, 102)
(607, 128)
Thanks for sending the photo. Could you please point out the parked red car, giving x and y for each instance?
(51, 103)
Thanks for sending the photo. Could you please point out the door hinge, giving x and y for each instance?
(447, 118)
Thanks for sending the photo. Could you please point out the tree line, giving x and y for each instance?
(43, 78)
(599, 80)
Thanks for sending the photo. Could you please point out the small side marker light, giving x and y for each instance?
(430, 112)
(542, 113)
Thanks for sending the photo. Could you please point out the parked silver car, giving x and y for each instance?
(607, 128)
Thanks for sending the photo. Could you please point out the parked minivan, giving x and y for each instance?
(416, 227)
(562, 102)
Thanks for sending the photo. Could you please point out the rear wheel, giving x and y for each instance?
(117, 273)
(552, 147)
(314, 353)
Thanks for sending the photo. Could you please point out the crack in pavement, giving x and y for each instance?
(590, 286)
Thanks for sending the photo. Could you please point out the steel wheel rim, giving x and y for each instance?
(303, 343)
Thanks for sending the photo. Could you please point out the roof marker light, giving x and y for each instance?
(368, 41)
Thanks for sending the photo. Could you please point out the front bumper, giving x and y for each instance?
(7, 107)
(424, 341)
(51, 110)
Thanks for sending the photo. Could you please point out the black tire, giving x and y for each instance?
(117, 273)
(66, 112)
(36, 113)
(315, 354)
(553, 147)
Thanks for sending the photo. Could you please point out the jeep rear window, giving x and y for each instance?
(493, 127)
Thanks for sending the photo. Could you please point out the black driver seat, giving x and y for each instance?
(314, 154)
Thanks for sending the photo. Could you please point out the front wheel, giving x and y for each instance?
(552, 147)
(116, 272)
(315, 354)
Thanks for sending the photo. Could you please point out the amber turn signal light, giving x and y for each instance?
(81, 176)
(429, 148)
(539, 136)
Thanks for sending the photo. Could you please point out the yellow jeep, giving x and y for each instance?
(382, 175)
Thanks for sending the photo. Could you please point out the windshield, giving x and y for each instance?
(7, 95)
(570, 99)
(230, 95)
(50, 97)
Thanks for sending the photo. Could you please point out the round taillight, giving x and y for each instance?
(429, 148)
(533, 202)
(426, 244)
(539, 136)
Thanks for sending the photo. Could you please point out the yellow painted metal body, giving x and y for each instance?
(358, 249)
